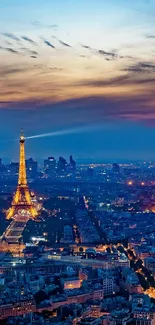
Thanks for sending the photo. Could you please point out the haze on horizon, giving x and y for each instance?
(78, 64)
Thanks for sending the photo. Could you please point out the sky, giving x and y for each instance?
(84, 69)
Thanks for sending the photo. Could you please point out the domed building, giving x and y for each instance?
(90, 252)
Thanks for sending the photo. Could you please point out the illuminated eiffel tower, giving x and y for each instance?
(22, 203)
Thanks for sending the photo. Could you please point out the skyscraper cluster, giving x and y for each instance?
(53, 167)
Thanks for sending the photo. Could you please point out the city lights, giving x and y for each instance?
(77, 203)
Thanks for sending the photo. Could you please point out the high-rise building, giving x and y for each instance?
(31, 168)
(72, 163)
(62, 164)
(13, 169)
(116, 168)
(50, 166)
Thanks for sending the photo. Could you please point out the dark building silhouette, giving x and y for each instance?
(2, 169)
(13, 169)
(50, 166)
(31, 168)
(72, 163)
(116, 168)
(62, 163)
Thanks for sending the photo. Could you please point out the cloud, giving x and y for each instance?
(8, 43)
(9, 49)
(54, 26)
(61, 42)
(36, 23)
(26, 50)
(10, 70)
(138, 74)
(64, 44)
(86, 47)
(39, 24)
(11, 36)
(150, 36)
(33, 52)
(55, 68)
(49, 44)
(109, 55)
(90, 109)
(27, 39)
(141, 67)
(123, 80)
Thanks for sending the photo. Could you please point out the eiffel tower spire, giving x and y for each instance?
(22, 200)
(22, 170)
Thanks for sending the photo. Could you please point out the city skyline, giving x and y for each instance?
(77, 162)
(75, 64)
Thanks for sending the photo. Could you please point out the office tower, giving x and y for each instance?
(50, 166)
(31, 168)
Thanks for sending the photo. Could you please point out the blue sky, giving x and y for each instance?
(78, 63)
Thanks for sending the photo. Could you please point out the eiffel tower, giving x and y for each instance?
(22, 204)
